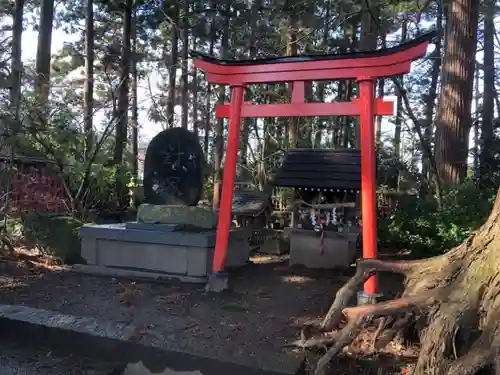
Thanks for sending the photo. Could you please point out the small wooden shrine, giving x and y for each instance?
(326, 219)
(251, 208)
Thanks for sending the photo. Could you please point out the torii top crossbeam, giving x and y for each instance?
(364, 67)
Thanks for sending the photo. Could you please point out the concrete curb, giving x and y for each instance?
(109, 341)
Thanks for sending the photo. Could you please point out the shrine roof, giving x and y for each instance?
(427, 37)
(248, 202)
(320, 169)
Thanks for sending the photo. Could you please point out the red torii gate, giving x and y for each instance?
(364, 67)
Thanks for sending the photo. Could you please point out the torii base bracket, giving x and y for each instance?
(217, 282)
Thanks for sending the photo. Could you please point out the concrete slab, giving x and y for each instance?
(112, 341)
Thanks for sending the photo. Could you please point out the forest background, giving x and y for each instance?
(87, 83)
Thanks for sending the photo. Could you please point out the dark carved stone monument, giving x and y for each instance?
(173, 168)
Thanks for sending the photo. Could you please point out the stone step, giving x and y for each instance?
(122, 343)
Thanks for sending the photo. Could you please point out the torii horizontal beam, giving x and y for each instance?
(248, 110)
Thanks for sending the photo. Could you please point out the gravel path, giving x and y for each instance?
(16, 360)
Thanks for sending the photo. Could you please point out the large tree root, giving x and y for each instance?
(359, 317)
(453, 300)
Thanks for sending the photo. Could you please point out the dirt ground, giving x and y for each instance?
(267, 305)
(19, 360)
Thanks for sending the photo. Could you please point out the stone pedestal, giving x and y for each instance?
(159, 249)
(275, 243)
(338, 251)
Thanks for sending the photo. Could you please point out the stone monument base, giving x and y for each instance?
(160, 249)
(338, 251)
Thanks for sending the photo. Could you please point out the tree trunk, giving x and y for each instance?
(293, 129)
(123, 107)
(350, 123)
(431, 97)
(453, 114)
(134, 113)
(16, 63)
(194, 73)
(208, 109)
(172, 71)
(497, 101)
(380, 94)
(378, 120)
(399, 106)
(369, 26)
(264, 153)
(452, 298)
(43, 53)
(184, 66)
(123, 92)
(306, 125)
(88, 88)
(487, 154)
(476, 124)
(320, 92)
(245, 174)
(245, 136)
(219, 128)
(367, 42)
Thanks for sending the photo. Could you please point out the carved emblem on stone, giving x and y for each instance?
(173, 168)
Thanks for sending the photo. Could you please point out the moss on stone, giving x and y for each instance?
(200, 217)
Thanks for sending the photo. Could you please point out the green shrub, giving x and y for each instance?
(420, 227)
(13, 228)
(54, 235)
